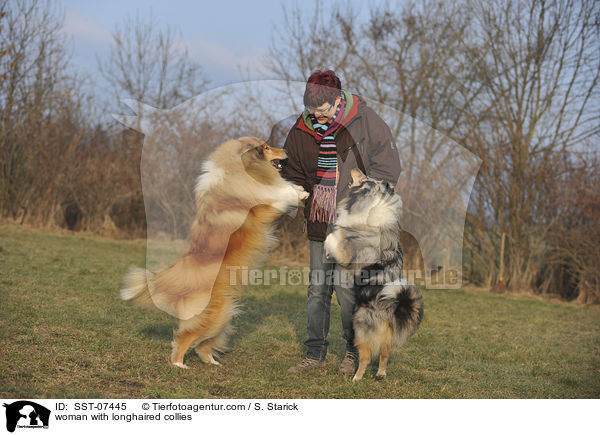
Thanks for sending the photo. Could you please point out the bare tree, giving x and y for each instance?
(57, 167)
(571, 266)
(539, 64)
(33, 82)
(151, 65)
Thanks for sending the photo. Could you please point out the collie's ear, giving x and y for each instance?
(252, 159)
(245, 147)
(247, 143)
(357, 177)
(251, 155)
(258, 166)
(247, 157)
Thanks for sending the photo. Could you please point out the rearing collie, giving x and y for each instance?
(238, 197)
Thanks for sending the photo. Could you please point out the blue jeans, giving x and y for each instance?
(318, 306)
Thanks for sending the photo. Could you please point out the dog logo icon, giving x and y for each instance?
(26, 414)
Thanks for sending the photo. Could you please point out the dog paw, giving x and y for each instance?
(207, 358)
(356, 378)
(181, 365)
(380, 376)
(302, 194)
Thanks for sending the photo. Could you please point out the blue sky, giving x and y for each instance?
(220, 35)
(224, 36)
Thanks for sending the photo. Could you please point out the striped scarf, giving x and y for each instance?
(324, 192)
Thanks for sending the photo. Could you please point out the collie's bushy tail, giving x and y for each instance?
(408, 310)
(136, 286)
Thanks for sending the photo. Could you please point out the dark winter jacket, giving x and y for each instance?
(362, 128)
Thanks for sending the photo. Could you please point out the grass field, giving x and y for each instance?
(66, 334)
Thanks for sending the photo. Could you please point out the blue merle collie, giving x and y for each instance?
(366, 240)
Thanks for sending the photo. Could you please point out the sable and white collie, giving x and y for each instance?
(239, 195)
(366, 240)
